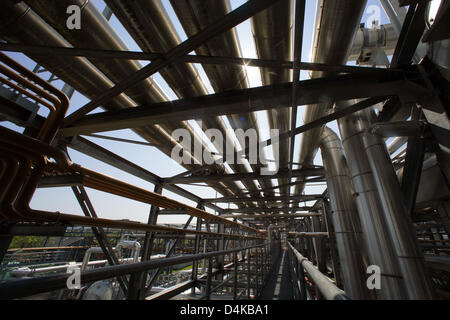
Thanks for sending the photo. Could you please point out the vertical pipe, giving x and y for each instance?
(149, 241)
(342, 214)
(236, 266)
(398, 221)
(333, 252)
(208, 280)
(376, 235)
(248, 274)
(220, 247)
(319, 243)
(196, 251)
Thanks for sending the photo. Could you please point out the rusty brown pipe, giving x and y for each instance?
(27, 214)
(21, 203)
(26, 93)
(61, 106)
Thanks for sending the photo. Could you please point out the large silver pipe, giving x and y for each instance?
(387, 228)
(105, 37)
(150, 25)
(272, 32)
(337, 22)
(195, 15)
(376, 237)
(343, 212)
(22, 25)
(398, 220)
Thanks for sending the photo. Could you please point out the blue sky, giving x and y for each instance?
(109, 206)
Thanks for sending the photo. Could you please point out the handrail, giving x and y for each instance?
(326, 287)
(27, 287)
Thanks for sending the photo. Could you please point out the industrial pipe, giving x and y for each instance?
(398, 221)
(27, 287)
(22, 25)
(387, 227)
(325, 285)
(337, 24)
(344, 215)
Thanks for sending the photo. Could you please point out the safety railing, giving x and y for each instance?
(326, 287)
(257, 261)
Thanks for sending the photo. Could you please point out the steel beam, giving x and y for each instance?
(410, 35)
(439, 29)
(225, 23)
(398, 128)
(172, 291)
(412, 170)
(138, 280)
(300, 173)
(97, 152)
(312, 91)
(168, 254)
(88, 210)
(266, 210)
(269, 216)
(271, 199)
(148, 144)
(298, 45)
(202, 59)
(61, 181)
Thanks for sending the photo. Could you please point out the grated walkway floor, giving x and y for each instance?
(279, 284)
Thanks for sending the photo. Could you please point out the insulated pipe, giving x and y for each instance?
(325, 285)
(87, 256)
(20, 24)
(195, 15)
(105, 37)
(272, 31)
(343, 213)
(379, 196)
(19, 190)
(149, 24)
(398, 220)
(336, 25)
(376, 236)
(133, 245)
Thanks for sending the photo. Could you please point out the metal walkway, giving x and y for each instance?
(279, 285)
